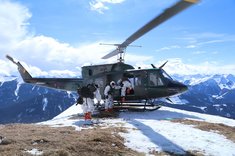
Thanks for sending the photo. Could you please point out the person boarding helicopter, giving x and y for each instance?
(126, 87)
(108, 93)
(86, 98)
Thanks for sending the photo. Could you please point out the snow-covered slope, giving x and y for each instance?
(156, 131)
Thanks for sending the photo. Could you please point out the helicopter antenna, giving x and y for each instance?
(165, 15)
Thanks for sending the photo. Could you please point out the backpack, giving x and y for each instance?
(92, 87)
(86, 92)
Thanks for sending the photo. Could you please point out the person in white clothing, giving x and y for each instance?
(97, 95)
(108, 93)
(125, 87)
(88, 93)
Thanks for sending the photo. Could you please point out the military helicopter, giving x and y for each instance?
(147, 83)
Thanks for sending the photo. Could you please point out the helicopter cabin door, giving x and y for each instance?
(156, 85)
(139, 82)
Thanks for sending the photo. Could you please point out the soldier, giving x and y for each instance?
(126, 87)
(87, 94)
(97, 96)
(108, 93)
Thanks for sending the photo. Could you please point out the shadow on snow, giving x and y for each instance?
(165, 144)
(157, 115)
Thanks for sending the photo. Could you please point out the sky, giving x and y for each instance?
(57, 38)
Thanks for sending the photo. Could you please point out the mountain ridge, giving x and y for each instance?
(25, 103)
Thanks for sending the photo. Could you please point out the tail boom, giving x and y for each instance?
(68, 84)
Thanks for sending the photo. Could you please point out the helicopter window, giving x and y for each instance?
(159, 81)
(137, 81)
(90, 72)
(166, 75)
(141, 78)
(132, 81)
(155, 80)
(152, 79)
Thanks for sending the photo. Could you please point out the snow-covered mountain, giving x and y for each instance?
(20, 102)
(26, 103)
(211, 94)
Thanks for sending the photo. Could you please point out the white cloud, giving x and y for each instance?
(177, 66)
(168, 48)
(199, 52)
(7, 68)
(51, 53)
(13, 23)
(62, 59)
(101, 5)
(206, 38)
(207, 35)
(191, 46)
(199, 44)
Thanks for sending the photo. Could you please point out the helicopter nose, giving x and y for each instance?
(177, 87)
(183, 87)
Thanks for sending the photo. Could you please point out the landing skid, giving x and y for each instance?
(135, 106)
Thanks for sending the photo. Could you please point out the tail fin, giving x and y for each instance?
(23, 72)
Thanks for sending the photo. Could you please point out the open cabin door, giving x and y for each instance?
(139, 81)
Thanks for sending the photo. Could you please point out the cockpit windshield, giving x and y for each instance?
(166, 75)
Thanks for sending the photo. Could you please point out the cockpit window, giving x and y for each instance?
(166, 75)
(155, 80)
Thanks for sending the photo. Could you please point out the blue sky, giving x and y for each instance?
(58, 37)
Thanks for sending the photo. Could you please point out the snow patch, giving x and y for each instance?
(153, 131)
(17, 89)
(195, 81)
(34, 151)
(178, 100)
(1, 83)
(7, 78)
(44, 102)
(60, 107)
(30, 110)
(73, 110)
(164, 136)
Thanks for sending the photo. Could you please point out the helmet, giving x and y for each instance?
(112, 83)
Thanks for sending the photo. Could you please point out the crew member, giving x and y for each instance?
(88, 93)
(126, 87)
(108, 93)
(97, 95)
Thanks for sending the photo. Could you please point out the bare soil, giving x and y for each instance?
(64, 141)
(227, 131)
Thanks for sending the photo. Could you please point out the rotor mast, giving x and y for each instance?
(119, 51)
(165, 15)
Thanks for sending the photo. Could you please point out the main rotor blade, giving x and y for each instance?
(168, 13)
(111, 54)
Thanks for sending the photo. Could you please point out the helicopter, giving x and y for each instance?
(147, 84)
